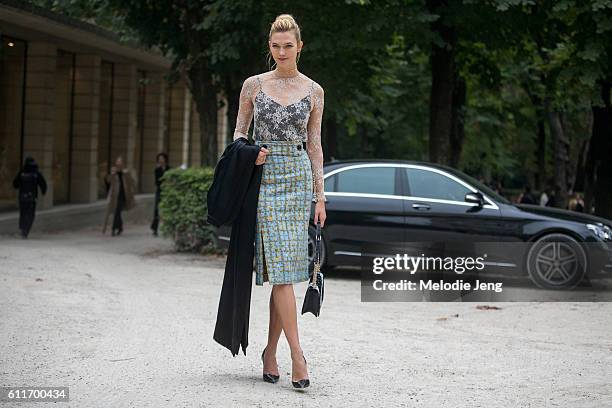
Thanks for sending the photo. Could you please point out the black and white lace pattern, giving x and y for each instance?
(274, 121)
(285, 108)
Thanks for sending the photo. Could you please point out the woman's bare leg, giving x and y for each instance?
(274, 331)
(284, 302)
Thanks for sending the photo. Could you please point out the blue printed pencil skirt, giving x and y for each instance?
(283, 212)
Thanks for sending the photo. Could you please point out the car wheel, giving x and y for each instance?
(556, 261)
(311, 248)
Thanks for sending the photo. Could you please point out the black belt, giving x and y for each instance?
(299, 147)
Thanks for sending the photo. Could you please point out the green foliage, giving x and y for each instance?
(183, 208)
(372, 59)
(96, 12)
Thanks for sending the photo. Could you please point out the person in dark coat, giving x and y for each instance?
(160, 169)
(28, 180)
(232, 199)
(527, 197)
(120, 195)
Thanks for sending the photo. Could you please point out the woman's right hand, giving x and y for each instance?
(261, 157)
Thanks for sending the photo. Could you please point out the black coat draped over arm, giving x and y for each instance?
(232, 199)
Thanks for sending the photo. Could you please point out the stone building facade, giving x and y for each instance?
(75, 98)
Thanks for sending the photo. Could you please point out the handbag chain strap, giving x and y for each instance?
(317, 250)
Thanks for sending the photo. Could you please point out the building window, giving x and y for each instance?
(105, 125)
(13, 59)
(140, 124)
(62, 126)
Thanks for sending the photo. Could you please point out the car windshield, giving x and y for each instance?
(480, 186)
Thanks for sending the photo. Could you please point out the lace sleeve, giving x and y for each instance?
(245, 108)
(313, 143)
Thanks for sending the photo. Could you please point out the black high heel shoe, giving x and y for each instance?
(303, 383)
(268, 377)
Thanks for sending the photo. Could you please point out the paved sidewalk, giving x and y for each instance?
(67, 217)
(125, 322)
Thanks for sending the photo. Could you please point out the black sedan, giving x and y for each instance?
(370, 202)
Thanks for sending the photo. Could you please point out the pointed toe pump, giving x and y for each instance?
(303, 383)
(268, 377)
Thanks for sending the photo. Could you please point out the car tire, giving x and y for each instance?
(311, 241)
(556, 261)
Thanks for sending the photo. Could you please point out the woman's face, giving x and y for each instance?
(284, 49)
(161, 160)
(119, 162)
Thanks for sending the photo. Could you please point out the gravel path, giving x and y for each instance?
(125, 322)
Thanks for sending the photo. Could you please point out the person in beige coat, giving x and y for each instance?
(120, 195)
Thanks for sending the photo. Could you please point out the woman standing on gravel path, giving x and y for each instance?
(287, 107)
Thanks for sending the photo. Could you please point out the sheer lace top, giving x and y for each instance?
(285, 109)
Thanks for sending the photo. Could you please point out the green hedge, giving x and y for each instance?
(183, 209)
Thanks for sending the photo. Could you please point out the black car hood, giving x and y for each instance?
(562, 214)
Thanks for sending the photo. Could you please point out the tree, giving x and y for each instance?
(203, 37)
(592, 57)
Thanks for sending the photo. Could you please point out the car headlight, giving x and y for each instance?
(600, 230)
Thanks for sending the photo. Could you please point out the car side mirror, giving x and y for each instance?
(475, 198)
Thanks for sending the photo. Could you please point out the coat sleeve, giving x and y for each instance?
(17, 180)
(156, 176)
(107, 181)
(42, 183)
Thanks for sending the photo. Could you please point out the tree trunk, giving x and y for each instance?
(601, 145)
(331, 137)
(580, 172)
(458, 121)
(589, 176)
(362, 133)
(540, 177)
(205, 96)
(233, 103)
(561, 157)
(442, 86)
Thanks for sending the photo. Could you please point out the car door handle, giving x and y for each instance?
(418, 206)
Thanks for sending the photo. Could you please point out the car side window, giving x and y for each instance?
(429, 184)
(372, 180)
(330, 184)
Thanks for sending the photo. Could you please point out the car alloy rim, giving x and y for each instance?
(554, 260)
(311, 249)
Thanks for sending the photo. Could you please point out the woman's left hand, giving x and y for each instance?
(320, 213)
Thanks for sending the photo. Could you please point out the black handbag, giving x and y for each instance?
(314, 293)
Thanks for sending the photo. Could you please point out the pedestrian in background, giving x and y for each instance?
(120, 195)
(575, 203)
(28, 180)
(527, 197)
(544, 197)
(160, 169)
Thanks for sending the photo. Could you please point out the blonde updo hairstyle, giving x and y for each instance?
(284, 23)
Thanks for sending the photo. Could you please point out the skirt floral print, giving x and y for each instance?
(283, 213)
